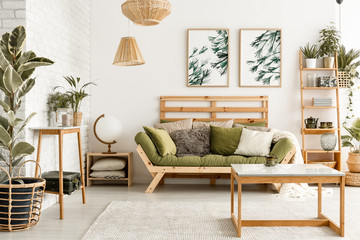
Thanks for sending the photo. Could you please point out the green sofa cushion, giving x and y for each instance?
(224, 141)
(280, 149)
(162, 140)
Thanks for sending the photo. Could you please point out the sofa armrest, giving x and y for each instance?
(281, 149)
(148, 146)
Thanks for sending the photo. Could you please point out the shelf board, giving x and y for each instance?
(313, 107)
(320, 151)
(318, 69)
(319, 131)
(107, 179)
(319, 88)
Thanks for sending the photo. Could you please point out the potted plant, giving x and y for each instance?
(311, 53)
(329, 40)
(16, 68)
(56, 101)
(353, 141)
(76, 95)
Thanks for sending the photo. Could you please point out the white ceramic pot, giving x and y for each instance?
(328, 62)
(310, 62)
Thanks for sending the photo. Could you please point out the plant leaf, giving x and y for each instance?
(27, 120)
(3, 176)
(16, 161)
(34, 63)
(4, 136)
(17, 40)
(11, 116)
(4, 105)
(4, 122)
(12, 80)
(22, 149)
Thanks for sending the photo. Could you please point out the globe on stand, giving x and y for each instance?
(107, 130)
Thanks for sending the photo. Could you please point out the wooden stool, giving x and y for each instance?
(60, 131)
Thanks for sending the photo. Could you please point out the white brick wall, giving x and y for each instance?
(60, 31)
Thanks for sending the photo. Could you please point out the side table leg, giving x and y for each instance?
(232, 192)
(38, 154)
(61, 187)
(319, 199)
(81, 168)
(342, 207)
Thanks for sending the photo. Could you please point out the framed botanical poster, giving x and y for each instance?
(208, 58)
(260, 57)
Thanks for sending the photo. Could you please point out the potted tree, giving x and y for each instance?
(20, 197)
(329, 40)
(311, 53)
(353, 141)
(76, 95)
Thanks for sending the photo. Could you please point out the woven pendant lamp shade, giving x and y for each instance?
(128, 53)
(146, 12)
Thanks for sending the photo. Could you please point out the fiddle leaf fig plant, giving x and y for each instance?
(352, 140)
(16, 68)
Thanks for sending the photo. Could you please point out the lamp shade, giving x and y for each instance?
(146, 12)
(128, 53)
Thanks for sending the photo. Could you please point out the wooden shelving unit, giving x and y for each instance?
(318, 131)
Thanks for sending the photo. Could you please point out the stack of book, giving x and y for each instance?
(322, 102)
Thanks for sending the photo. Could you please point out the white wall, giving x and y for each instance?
(132, 93)
(60, 31)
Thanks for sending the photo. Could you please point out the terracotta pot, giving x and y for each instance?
(353, 162)
(77, 118)
(328, 62)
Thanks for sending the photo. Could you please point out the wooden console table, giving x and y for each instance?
(60, 131)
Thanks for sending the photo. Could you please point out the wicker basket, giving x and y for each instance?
(20, 204)
(327, 163)
(343, 79)
(77, 118)
(352, 179)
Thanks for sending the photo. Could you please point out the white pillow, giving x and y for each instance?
(108, 174)
(254, 143)
(108, 164)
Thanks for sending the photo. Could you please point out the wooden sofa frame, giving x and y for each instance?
(159, 173)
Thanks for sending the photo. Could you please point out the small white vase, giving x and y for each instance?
(52, 119)
(310, 62)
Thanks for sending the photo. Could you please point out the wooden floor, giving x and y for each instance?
(78, 217)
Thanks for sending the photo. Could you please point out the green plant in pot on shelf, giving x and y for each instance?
(311, 53)
(75, 96)
(353, 141)
(329, 44)
(55, 101)
(16, 68)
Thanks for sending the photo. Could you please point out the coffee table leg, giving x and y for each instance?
(239, 210)
(342, 207)
(319, 199)
(232, 193)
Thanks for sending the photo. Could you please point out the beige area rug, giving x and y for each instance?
(199, 221)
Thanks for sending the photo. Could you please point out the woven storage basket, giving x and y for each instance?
(20, 204)
(327, 163)
(343, 79)
(352, 179)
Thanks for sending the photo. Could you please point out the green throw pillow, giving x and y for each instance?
(162, 140)
(224, 141)
(256, 124)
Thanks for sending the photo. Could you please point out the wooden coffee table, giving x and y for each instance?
(292, 173)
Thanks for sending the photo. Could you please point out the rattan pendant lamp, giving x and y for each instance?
(128, 52)
(146, 12)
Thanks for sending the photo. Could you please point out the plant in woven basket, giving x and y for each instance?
(20, 197)
(75, 96)
(16, 68)
(310, 51)
(353, 141)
